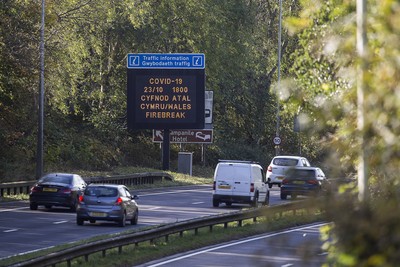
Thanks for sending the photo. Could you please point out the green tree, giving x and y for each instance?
(363, 233)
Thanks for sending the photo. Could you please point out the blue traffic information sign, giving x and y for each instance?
(165, 61)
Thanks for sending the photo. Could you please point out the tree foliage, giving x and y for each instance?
(86, 45)
(325, 71)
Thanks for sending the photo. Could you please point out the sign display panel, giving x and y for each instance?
(165, 99)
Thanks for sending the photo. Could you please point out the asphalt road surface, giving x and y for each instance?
(23, 230)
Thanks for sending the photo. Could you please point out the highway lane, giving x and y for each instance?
(295, 247)
(23, 230)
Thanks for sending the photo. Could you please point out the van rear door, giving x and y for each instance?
(232, 179)
(241, 180)
(223, 179)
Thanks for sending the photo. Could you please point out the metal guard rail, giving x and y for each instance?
(128, 180)
(85, 250)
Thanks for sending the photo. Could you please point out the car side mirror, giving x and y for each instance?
(135, 197)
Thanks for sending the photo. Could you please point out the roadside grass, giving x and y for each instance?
(136, 254)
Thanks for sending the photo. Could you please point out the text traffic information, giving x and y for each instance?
(166, 98)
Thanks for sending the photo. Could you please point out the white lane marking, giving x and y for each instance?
(234, 244)
(177, 191)
(11, 230)
(197, 203)
(14, 209)
(60, 222)
(287, 265)
(153, 208)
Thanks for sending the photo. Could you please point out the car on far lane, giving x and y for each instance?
(107, 202)
(279, 165)
(57, 189)
(304, 181)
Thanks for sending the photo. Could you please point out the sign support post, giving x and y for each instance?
(165, 149)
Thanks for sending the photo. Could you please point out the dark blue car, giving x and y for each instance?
(303, 181)
(57, 189)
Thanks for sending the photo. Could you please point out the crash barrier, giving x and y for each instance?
(23, 187)
(85, 250)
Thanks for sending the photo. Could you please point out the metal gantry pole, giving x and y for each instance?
(39, 159)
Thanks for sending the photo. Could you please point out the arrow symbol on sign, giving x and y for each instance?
(159, 134)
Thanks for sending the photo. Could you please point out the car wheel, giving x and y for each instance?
(122, 221)
(33, 206)
(279, 184)
(79, 221)
(283, 196)
(135, 218)
(293, 196)
(270, 185)
(229, 204)
(92, 221)
(215, 203)
(47, 207)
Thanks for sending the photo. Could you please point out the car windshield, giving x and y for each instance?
(285, 162)
(56, 179)
(101, 191)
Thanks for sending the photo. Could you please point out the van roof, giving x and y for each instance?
(237, 161)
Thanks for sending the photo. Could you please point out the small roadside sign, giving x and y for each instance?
(277, 140)
(203, 136)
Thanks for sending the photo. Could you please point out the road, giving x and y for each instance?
(296, 247)
(23, 230)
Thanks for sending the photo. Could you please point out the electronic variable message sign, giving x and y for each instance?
(165, 91)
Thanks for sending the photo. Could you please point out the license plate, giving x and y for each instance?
(48, 189)
(98, 214)
(224, 187)
(298, 182)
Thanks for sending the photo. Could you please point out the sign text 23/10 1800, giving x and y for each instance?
(166, 97)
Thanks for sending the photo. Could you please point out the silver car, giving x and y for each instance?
(107, 202)
(279, 165)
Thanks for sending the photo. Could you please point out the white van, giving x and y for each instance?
(240, 182)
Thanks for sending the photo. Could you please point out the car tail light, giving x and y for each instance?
(81, 199)
(312, 181)
(65, 191)
(285, 181)
(269, 168)
(35, 189)
(118, 201)
(251, 187)
(214, 185)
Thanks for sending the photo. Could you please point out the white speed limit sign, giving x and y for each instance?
(277, 140)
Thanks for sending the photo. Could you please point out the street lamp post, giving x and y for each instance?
(39, 159)
(277, 150)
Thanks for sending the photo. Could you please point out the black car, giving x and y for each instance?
(57, 189)
(303, 181)
(107, 202)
